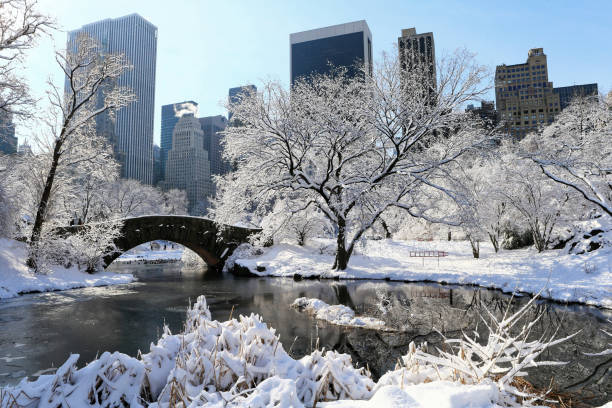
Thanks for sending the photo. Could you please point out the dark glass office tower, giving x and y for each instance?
(567, 93)
(8, 140)
(212, 126)
(237, 92)
(343, 45)
(170, 115)
(131, 134)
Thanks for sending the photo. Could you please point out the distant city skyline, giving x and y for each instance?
(131, 132)
(203, 52)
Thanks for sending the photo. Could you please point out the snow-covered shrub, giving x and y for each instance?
(504, 355)
(515, 238)
(112, 380)
(242, 359)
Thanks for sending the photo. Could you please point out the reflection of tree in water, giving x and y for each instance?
(419, 311)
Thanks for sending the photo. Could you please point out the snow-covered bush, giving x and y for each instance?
(539, 205)
(506, 354)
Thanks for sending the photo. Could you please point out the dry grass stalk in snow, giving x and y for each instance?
(500, 361)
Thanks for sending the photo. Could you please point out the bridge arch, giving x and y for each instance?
(213, 242)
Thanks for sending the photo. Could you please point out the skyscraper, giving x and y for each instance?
(132, 132)
(158, 176)
(418, 50)
(212, 126)
(188, 165)
(525, 99)
(8, 140)
(236, 93)
(170, 115)
(343, 45)
(567, 93)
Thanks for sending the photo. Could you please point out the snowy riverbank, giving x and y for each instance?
(145, 254)
(16, 278)
(576, 278)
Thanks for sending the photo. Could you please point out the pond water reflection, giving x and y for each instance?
(39, 331)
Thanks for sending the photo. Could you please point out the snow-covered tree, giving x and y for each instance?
(175, 202)
(72, 138)
(20, 26)
(576, 151)
(351, 147)
(9, 199)
(487, 215)
(539, 203)
(130, 198)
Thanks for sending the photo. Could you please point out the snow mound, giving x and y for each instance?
(16, 277)
(337, 314)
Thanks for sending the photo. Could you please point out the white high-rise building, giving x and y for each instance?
(131, 134)
(188, 165)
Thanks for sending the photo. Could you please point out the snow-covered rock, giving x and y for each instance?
(337, 314)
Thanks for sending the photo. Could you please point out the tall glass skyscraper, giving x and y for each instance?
(170, 115)
(343, 45)
(235, 95)
(132, 132)
(8, 140)
(567, 93)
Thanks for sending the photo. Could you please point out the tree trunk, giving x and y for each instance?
(475, 247)
(342, 255)
(386, 228)
(494, 241)
(42, 206)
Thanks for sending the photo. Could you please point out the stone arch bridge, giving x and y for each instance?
(213, 242)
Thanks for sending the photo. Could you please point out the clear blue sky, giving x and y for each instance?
(206, 47)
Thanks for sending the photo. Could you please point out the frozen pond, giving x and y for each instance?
(39, 331)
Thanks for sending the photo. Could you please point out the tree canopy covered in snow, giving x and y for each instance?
(352, 148)
(576, 150)
(21, 24)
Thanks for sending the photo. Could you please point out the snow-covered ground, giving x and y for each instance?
(16, 278)
(583, 278)
(241, 363)
(337, 314)
(144, 253)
